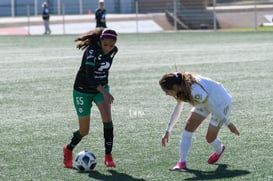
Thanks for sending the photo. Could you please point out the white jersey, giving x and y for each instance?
(209, 97)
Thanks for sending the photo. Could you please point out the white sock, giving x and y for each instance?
(217, 145)
(185, 144)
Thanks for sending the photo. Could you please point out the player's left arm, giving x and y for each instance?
(233, 129)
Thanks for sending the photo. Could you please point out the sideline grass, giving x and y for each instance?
(37, 114)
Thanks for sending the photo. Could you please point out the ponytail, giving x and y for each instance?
(88, 38)
(185, 95)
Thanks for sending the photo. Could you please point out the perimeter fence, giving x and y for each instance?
(170, 14)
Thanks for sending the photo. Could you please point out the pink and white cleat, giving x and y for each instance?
(109, 161)
(179, 166)
(214, 157)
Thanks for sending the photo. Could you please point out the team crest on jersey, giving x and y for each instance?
(80, 110)
(198, 97)
(91, 52)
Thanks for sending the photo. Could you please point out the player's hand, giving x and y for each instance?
(233, 129)
(108, 98)
(165, 139)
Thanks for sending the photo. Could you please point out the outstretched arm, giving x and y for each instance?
(174, 118)
(175, 115)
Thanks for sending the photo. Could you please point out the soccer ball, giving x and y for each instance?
(85, 161)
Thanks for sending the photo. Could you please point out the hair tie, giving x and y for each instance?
(176, 74)
(108, 33)
(178, 77)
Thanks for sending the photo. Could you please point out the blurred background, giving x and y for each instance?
(168, 15)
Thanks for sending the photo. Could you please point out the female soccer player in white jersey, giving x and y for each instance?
(207, 97)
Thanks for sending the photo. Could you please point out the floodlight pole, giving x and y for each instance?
(12, 8)
(35, 7)
(255, 15)
(80, 2)
(59, 6)
(137, 11)
(214, 15)
(63, 19)
(28, 21)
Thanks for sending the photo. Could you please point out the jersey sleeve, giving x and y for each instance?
(199, 94)
(175, 116)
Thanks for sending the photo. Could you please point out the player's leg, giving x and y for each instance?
(108, 129)
(44, 21)
(194, 120)
(213, 130)
(83, 104)
(105, 110)
(213, 139)
(84, 122)
(214, 127)
(48, 28)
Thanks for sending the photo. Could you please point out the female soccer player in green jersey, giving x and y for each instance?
(91, 86)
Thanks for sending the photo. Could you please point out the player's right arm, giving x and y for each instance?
(173, 120)
(107, 96)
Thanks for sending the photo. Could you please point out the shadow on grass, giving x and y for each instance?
(220, 173)
(114, 176)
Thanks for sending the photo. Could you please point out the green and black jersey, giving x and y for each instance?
(94, 68)
(100, 18)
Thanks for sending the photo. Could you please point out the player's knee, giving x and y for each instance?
(210, 138)
(190, 128)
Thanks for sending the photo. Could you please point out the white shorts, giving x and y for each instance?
(214, 120)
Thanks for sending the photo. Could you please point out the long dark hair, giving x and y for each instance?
(95, 35)
(183, 80)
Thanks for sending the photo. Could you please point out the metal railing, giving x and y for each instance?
(181, 14)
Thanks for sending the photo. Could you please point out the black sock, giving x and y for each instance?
(108, 137)
(76, 138)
